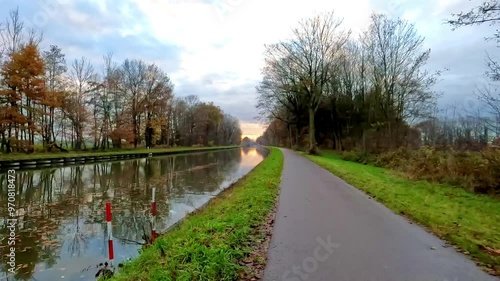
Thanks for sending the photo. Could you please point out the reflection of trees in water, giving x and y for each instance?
(246, 149)
(35, 227)
(66, 205)
(207, 180)
(77, 243)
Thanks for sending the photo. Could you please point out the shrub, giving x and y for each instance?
(476, 171)
(357, 156)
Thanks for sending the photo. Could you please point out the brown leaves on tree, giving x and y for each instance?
(24, 90)
(23, 75)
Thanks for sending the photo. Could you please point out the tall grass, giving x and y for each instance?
(475, 171)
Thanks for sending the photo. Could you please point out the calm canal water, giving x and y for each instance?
(61, 231)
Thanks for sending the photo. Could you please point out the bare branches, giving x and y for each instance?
(487, 12)
(494, 68)
(14, 34)
(492, 99)
(396, 57)
(298, 70)
(353, 86)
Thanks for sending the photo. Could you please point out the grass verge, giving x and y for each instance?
(208, 244)
(467, 220)
(49, 155)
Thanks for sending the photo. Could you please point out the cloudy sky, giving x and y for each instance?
(213, 48)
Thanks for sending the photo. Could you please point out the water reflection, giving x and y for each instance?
(61, 224)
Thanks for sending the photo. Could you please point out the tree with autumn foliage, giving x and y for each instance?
(24, 91)
(42, 102)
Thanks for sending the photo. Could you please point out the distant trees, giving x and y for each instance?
(196, 122)
(42, 102)
(346, 91)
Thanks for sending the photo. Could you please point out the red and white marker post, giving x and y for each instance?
(153, 215)
(110, 233)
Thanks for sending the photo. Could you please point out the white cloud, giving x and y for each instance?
(227, 37)
(230, 36)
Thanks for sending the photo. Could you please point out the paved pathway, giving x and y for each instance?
(327, 230)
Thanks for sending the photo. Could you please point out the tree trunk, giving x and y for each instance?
(135, 132)
(313, 149)
(297, 133)
(2, 144)
(168, 133)
(51, 122)
(290, 135)
(363, 137)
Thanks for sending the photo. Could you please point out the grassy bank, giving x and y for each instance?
(467, 220)
(49, 155)
(208, 244)
(478, 171)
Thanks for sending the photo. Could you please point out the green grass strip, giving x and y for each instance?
(208, 244)
(465, 219)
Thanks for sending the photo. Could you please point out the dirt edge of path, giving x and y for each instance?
(255, 263)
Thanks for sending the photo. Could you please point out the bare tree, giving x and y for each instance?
(134, 75)
(395, 57)
(230, 130)
(82, 76)
(315, 45)
(14, 34)
(55, 68)
(490, 96)
(279, 97)
(158, 96)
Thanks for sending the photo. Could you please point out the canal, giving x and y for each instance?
(61, 232)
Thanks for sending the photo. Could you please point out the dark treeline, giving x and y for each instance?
(372, 93)
(44, 100)
(371, 99)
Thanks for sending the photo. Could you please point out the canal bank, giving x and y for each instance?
(62, 230)
(20, 161)
(214, 242)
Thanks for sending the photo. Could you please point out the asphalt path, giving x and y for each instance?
(326, 229)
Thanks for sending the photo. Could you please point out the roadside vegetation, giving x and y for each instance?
(210, 243)
(477, 171)
(324, 87)
(372, 100)
(469, 221)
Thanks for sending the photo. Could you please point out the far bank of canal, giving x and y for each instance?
(36, 161)
(60, 210)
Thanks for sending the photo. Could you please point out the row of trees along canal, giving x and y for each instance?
(42, 100)
(372, 93)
